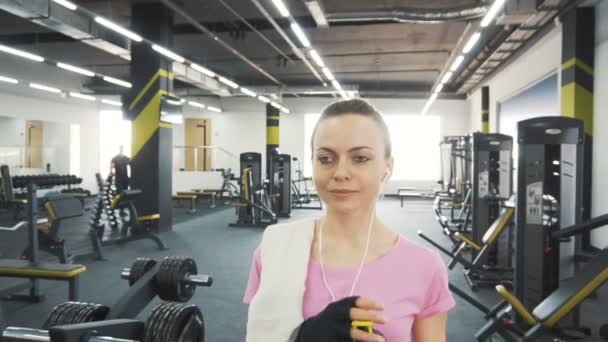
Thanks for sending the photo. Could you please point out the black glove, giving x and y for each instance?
(333, 324)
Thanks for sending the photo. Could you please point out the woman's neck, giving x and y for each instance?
(351, 228)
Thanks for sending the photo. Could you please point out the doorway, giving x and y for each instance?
(198, 137)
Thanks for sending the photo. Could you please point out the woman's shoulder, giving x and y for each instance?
(418, 253)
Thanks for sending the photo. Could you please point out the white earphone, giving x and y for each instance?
(386, 175)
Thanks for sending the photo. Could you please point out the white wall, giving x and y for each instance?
(242, 126)
(31, 107)
(600, 124)
(56, 144)
(538, 62)
(13, 132)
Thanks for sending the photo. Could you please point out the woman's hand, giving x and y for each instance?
(334, 322)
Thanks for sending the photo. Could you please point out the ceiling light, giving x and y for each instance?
(263, 99)
(446, 77)
(317, 13)
(439, 88)
(83, 96)
(168, 53)
(196, 104)
(433, 97)
(117, 81)
(119, 29)
(214, 109)
(76, 69)
(325, 84)
(300, 34)
(328, 74)
(457, 63)
(281, 7)
(110, 112)
(66, 4)
(202, 69)
(344, 94)
(285, 110)
(315, 57)
(20, 53)
(275, 105)
(492, 12)
(248, 92)
(336, 85)
(113, 103)
(228, 82)
(45, 88)
(177, 102)
(471, 42)
(8, 80)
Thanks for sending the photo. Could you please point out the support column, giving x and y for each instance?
(485, 109)
(578, 49)
(152, 140)
(272, 135)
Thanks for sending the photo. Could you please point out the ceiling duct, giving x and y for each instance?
(409, 15)
(517, 12)
(57, 18)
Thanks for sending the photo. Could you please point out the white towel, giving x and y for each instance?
(275, 311)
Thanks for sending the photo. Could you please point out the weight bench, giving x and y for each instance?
(211, 193)
(188, 198)
(59, 208)
(545, 317)
(25, 269)
(402, 193)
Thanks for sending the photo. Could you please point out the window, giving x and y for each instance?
(114, 131)
(415, 142)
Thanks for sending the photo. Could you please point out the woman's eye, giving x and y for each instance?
(325, 159)
(361, 159)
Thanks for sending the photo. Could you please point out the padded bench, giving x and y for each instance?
(63, 272)
(211, 193)
(402, 193)
(188, 198)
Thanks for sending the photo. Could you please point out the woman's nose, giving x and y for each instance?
(342, 170)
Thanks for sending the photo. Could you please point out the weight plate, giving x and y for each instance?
(163, 328)
(151, 322)
(155, 321)
(139, 268)
(67, 312)
(185, 291)
(190, 317)
(71, 315)
(163, 279)
(55, 313)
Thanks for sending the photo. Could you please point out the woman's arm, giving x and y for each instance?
(430, 329)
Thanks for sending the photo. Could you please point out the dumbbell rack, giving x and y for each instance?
(173, 279)
(102, 212)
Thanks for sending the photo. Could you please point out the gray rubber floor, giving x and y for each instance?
(225, 253)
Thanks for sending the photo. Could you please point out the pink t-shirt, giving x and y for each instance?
(410, 280)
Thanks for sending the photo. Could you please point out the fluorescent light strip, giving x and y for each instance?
(203, 70)
(113, 103)
(280, 5)
(119, 29)
(275, 105)
(196, 104)
(433, 97)
(214, 109)
(168, 53)
(457, 63)
(274, 96)
(83, 96)
(300, 34)
(315, 57)
(471, 42)
(336, 85)
(67, 4)
(263, 99)
(285, 110)
(228, 82)
(328, 74)
(20, 53)
(45, 88)
(117, 81)
(248, 92)
(76, 69)
(344, 94)
(8, 80)
(492, 12)
(446, 77)
(439, 88)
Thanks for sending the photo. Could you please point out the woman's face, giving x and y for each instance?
(349, 162)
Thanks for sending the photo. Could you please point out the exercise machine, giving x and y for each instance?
(301, 197)
(280, 183)
(254, 207)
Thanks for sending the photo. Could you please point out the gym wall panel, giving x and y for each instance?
(30, 106)
(600, 127)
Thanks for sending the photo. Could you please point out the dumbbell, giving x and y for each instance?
(176, 279)
(169, 322)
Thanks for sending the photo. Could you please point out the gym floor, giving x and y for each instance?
(225, 253)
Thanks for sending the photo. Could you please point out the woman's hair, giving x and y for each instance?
(356, 107)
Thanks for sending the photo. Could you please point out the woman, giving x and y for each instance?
(311, 279)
